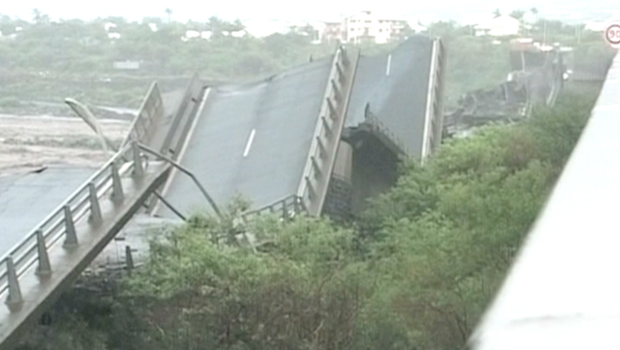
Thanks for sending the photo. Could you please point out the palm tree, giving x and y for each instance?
(534, 12)
(169, 13)
(37, 15)
(40, 17)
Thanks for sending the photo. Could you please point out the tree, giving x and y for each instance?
(39, 17)
(169, 13)
(518, 14)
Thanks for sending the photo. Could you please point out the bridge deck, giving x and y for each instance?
(252, 139)
(395, 85)
(42, 191)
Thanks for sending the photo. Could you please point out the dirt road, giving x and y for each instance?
(31, 142)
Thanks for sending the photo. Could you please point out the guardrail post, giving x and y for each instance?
(284, 211)
(316, 166)
(117, 186)
(138, 169)
(14, 300)
(344, 58)
(128, 258)
(321, 146)
(340, 71)
(70, 234)
(326, 126)
(95, 210)
(296, 205)
(332, 108)
(45, 268)
(310, 188)
(336, 89)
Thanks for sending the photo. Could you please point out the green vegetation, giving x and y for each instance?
(415, 271)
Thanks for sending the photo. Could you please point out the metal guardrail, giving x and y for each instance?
(177, 134)
(61, 222)
(433, 124)
(378, 127)
(315, 178)
(151, 111)
(289, 207)
(173, 141)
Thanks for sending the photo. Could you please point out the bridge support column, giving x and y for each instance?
(129, 258)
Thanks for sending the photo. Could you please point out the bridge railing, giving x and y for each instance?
(172, 143)
(330, 122)
(60, 224)
(433, 125)
(377, 127)
(151, 111)
(287, 207)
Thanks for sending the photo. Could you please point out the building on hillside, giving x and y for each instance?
(502, 25)
(417, 27)
(263, 28)
(194, 34)
(367, 26)
(332, 32)
(109, 26)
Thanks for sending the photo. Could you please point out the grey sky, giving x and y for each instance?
(294, 10)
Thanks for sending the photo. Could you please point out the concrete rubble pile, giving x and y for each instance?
(537, 77)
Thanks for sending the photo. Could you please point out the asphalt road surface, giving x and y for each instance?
(252, 139)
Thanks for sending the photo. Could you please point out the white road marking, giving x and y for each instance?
(389, 63)
(249, 144)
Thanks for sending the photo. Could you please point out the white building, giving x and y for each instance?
(109, 26)
(194, 34)
(502, 25)
(262, 28)
(369, 26)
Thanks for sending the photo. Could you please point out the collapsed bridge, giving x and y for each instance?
(320, 138)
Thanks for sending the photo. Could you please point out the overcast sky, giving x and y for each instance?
(277, 9)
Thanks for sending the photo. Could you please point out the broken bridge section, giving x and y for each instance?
(283, 142)
(291, 142)
(272, 141)
(50, 258)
